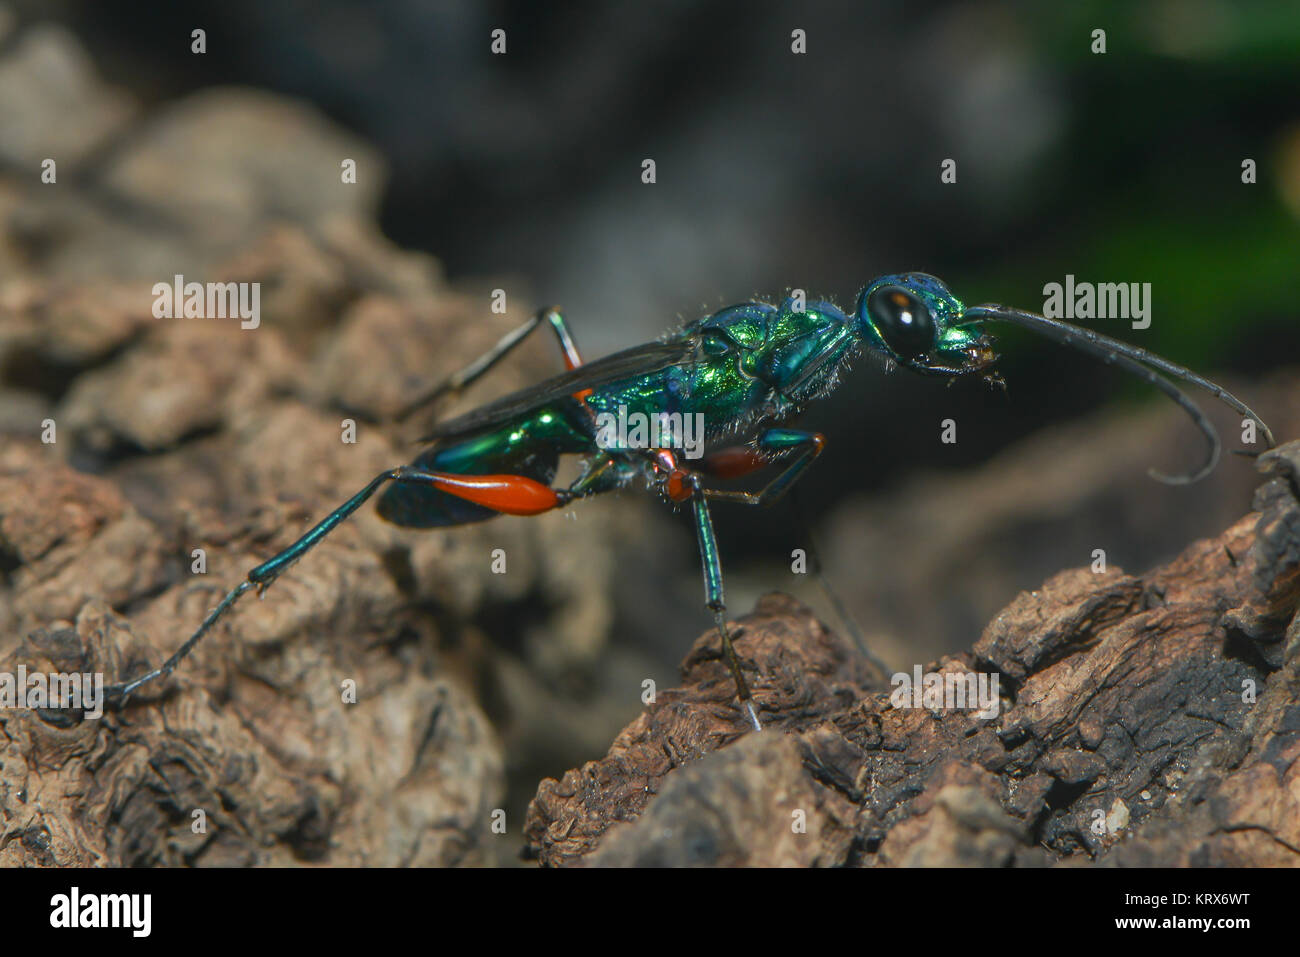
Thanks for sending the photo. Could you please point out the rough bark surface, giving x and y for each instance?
(1146, 720)
(130, 441)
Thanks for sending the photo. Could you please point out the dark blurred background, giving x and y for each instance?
(816, 171)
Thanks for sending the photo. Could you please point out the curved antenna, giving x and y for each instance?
(1134, 360)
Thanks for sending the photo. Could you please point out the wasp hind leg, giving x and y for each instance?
(467, 376)
(506, 494)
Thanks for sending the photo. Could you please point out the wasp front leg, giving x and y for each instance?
(730, 463)
(682, 486)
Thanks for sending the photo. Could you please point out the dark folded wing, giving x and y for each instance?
(640, 360)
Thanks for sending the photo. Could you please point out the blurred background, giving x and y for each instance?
(775, 171)
(817, 171)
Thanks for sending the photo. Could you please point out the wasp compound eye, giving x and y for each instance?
(902, 320)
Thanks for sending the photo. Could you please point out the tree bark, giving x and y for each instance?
(1143, 720)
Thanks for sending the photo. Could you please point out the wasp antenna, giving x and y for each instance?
(1215, 447)
(1135, 361)
(1104, 346)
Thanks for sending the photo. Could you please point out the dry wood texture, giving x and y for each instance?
(1144, 720)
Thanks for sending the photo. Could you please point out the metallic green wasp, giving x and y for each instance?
(744, 372)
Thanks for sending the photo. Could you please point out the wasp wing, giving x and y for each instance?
(639, 360)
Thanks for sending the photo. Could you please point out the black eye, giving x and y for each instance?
(902, 320)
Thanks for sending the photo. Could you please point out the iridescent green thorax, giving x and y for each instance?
(753, 361)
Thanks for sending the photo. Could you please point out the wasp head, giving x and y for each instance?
(913, 319)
